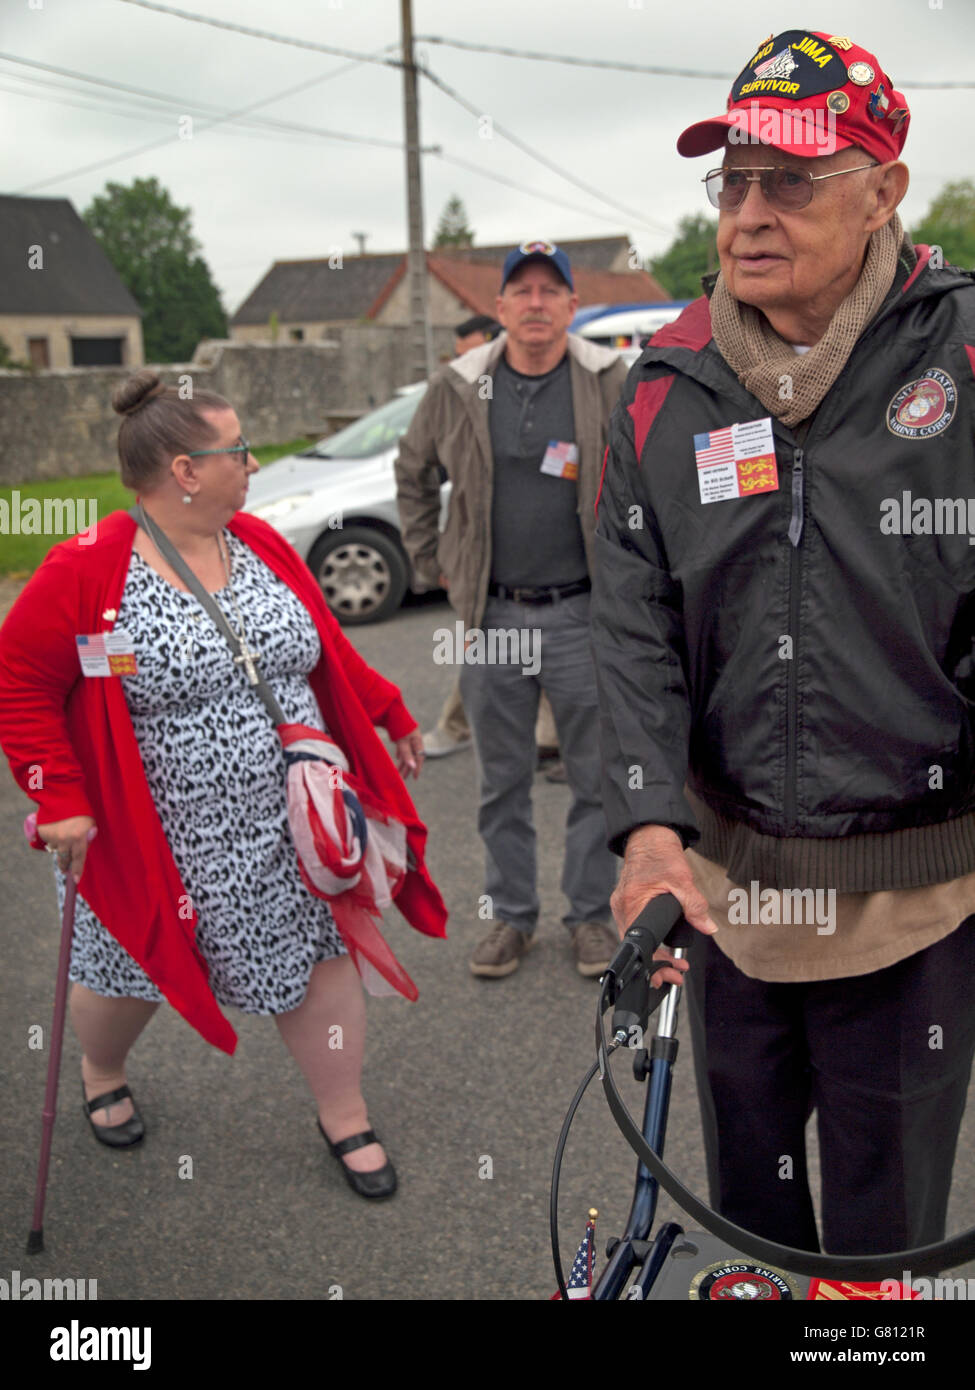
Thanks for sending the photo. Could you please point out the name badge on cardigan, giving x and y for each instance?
(107, 654)
(737, 461)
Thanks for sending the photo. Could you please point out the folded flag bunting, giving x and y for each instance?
(350, 852)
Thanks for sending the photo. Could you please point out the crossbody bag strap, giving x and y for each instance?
(169, 552)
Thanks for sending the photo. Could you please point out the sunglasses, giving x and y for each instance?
(242, 448)
(785, 189)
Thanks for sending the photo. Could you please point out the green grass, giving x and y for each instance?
(20, 555)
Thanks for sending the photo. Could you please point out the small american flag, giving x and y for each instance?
(94, 645)
(716, 447)
(579, 1282)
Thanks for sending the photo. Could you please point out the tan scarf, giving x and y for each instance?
(788, 384)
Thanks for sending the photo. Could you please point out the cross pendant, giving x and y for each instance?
(248, 658)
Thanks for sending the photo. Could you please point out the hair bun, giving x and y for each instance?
(134, 393)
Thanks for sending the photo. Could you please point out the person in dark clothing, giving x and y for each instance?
(783, 643)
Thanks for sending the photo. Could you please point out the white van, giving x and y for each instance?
(625, 325)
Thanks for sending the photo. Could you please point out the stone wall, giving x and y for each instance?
(60, 423)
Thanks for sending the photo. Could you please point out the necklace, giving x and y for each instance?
(245, 656)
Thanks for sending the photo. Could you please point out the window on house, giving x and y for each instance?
(97, 352)
(297, 334)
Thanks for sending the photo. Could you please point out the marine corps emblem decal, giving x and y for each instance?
(743, 1282)
(923, 408)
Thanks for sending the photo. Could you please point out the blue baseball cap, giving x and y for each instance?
(537, 251)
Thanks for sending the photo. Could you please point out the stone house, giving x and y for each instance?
(62, 302)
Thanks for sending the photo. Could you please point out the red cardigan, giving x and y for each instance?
(71, 747)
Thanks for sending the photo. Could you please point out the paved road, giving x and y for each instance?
(474, 1070)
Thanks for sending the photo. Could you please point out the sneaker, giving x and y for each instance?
(437, 744)
(500, 952)
(594, 945)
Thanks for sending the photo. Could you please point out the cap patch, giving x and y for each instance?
(803, 66)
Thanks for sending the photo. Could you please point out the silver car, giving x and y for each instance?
(336, 504)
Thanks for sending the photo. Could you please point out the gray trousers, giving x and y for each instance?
(501, 701)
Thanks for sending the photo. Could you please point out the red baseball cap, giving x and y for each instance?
(808, 94)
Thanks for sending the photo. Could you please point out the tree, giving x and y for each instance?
(8, 362)
(690, 255)
(950, 224)
(150, 242)
(452, 229)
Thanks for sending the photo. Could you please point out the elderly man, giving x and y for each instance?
(520, 426)
(784, 646)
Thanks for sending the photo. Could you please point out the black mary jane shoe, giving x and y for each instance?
(381, 1182)
(123, 1136)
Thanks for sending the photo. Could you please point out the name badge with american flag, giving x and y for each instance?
(737, 461)
(107, 654)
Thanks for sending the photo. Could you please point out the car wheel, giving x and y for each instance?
(362, 573)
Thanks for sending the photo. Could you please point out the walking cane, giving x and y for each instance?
(35, 1241)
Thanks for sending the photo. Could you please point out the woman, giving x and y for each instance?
(162, 789)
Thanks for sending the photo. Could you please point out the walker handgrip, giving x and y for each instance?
(644, 935)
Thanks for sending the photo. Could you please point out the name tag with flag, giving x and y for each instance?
(107, 654)
(737, 461)
(561, 459)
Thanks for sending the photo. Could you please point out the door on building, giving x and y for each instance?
(96, 352)
(40, 355)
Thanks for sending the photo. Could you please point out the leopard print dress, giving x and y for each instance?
(216, 772)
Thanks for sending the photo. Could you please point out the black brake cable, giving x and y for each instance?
(553, 1207)
(925, 1259)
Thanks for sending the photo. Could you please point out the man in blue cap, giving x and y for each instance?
(520, 426)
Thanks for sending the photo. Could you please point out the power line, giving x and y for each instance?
(613, 65)
(206, 125)
(540, 158)
(264, 34)
(532, 192)
(246, 126)
(607, 63)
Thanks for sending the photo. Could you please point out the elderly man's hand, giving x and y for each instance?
(654, 863)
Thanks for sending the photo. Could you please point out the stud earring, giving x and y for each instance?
(187, 498)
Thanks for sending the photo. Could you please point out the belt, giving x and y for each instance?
(550, 595)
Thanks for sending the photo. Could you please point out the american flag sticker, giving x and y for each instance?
(106, 654)
(737, 461)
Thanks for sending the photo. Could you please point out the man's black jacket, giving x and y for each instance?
(819, 688)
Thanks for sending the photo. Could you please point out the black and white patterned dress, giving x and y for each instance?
(215, 769)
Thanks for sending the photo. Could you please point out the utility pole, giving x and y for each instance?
(421, 343)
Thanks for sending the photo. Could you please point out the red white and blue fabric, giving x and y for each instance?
(350, 852)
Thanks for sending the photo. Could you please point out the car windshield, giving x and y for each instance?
(373, 433)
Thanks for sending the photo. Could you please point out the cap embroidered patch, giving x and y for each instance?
(796, 64)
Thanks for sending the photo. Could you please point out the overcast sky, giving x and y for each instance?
(260, 195)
